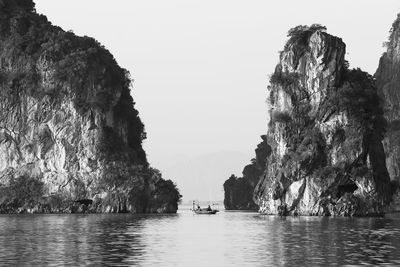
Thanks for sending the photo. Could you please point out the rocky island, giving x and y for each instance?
(333, 132)
(239, 190)
(70, 137)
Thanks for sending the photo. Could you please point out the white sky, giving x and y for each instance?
(201, 67)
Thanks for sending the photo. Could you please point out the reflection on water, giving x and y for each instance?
(184, 239)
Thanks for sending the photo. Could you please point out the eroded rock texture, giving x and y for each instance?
(70, 137)
(325, 132)
(388, 83)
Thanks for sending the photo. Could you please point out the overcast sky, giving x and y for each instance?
(201, 68)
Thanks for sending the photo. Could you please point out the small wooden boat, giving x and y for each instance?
(208, 210)
(205, 211)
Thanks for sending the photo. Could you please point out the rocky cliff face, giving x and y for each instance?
(388, 84)
(239, 190)
(70, 138)
(325, 133)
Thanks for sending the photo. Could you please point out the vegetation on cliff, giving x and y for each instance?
(21, 193)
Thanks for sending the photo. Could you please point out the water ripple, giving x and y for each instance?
(184, 239)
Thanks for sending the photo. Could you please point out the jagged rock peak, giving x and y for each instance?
(325, 132)
(311, 39)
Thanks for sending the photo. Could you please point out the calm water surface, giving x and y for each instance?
(184, 239)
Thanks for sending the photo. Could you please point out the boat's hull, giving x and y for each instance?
(205, 211)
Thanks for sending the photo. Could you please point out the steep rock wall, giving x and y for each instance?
(388, 84)
(325, 131)
(69, 132)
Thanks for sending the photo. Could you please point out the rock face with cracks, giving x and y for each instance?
(325, 134)
(70, 137)
(388, 84)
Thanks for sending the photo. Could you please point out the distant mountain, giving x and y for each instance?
(202, 177)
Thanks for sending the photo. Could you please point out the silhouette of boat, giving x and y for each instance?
(205, 211)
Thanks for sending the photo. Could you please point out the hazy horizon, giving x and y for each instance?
(201, 69)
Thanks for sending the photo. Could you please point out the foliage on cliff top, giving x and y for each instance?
(80, 63)
(300, 34)
(299, 37)
(392, 33)
(9, 6)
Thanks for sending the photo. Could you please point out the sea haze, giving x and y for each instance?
(202, 177)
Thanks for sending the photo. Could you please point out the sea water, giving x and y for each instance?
(187, 239)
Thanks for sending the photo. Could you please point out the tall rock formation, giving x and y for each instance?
(388, 84)
(325, 133)
(70, 137)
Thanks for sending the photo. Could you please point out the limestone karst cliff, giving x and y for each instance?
(70, 137)
(388, 84)
(325, 133)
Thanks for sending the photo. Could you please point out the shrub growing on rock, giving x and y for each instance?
(284, 78)
(21, 194)
(165, 198)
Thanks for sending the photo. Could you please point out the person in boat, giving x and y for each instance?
(198, 207)
(209, 208)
